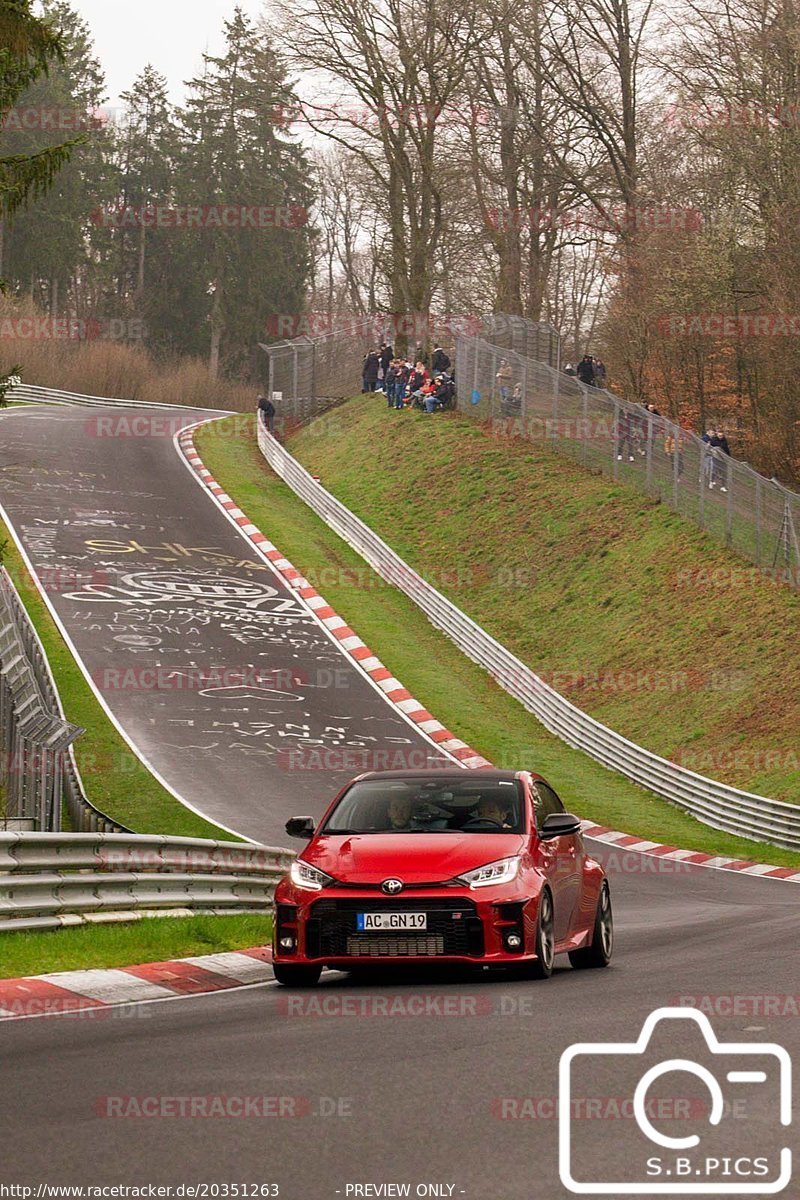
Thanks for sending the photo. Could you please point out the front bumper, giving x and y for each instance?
(463, 926)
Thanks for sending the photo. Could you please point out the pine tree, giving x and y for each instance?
(28, 48)
(235, 156)
(47, 245)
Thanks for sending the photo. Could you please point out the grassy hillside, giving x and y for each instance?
(633, 613)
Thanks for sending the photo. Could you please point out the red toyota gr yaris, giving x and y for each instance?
(465, 867)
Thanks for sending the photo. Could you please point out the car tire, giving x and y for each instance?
(598, 952)
(296, 975)
(542, 966)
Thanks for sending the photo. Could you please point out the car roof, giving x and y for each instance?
(445, 774)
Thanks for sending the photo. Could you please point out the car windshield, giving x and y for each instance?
(429, 806)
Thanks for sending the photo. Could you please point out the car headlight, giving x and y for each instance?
(305, 876)
(497, 872)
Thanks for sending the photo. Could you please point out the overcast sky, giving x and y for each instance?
(171, 34)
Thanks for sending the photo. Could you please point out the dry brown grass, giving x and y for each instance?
(115, 369)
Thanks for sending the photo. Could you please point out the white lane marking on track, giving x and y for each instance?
(380, 688)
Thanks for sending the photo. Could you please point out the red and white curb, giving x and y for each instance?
(350, 643)
(77, 992)
(394, 691)
(694, 858)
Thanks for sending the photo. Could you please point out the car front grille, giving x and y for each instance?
(454, 929)
(394, 947)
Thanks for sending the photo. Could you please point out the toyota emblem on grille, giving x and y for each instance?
(391, 887)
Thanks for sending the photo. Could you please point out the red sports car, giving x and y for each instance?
(482, 867)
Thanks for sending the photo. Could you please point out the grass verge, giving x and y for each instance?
(153, 939)
(454, 689)
(114, 778)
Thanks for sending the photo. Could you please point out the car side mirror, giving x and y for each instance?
(300, 827)
(559, 825)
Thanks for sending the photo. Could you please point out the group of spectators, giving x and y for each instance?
(408, 382)
(591, 371)
(636, 427)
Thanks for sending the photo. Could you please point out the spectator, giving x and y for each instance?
(267, 410)
(719, 467)
(569, 370)
(417, 377)
(421, 356)
(370, 371)
(673, 444)
(385, 355)
(440, 361)
(504, 378)
(599, 373)
(389, 381)
(401, 383)
(585, 371)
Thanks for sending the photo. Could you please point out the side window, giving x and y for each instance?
(545, 802)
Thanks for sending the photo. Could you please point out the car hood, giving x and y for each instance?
(411, 857)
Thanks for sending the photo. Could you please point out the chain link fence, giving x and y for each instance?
(516, 395)
(531, 339)
(308, 375)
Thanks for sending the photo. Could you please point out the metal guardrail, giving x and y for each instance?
(755, 517)
(28, 393)
(716, 804)
(38, 770)
(52, 880)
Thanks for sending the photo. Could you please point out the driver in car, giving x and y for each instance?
(414, 816)
(491, 809)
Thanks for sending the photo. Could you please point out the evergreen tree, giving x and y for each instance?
(28, 47)
(235, 156)
(47, 244)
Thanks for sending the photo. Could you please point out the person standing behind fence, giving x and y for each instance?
(585, 371)
(673, 444)
(719, 466)
(401, 383)
(440, 361)
(370, 371)
(389, 381)
(267, 412)
(599, 373)
(504, 377)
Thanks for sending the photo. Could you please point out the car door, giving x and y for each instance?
(564, 858)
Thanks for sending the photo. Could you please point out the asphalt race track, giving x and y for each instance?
(217, 673)
(425, 1081)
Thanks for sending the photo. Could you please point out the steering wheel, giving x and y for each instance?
(482, 823)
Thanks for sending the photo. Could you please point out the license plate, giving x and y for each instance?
(379, 922)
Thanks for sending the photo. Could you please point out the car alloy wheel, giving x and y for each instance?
(598, 952)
